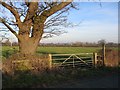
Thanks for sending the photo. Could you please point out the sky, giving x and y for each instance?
(95, 23)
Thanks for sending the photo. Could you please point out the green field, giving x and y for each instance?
(53, 50)
(67, 50)
(7, 50)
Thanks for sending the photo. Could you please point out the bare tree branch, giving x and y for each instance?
(31, 11)
(56, 8)
(3, 21)
(53, 32)
(27, 3)
(12, 10)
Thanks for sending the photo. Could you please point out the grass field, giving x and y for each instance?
(67, 50)
(7, 50)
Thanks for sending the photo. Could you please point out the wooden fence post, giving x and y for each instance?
(94, 59)
(50, 61)
(103, 50)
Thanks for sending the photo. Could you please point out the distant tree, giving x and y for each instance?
(101, 42)
(7, 42)
(15, 44)
(3, 38)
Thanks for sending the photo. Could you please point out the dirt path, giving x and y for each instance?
(107, 81)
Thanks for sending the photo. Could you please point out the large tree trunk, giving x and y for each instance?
(28, 46)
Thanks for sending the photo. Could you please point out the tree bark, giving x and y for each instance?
(28, 46)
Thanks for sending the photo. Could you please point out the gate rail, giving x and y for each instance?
(73, 60)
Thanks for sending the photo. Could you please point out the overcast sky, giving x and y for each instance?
(96, 23)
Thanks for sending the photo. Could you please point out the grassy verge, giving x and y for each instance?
(44, 80)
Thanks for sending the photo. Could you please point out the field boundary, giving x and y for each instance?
(78, 60)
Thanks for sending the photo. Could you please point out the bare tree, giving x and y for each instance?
(30, 21)
(101, 42)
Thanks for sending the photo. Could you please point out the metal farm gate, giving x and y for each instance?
(81, 60)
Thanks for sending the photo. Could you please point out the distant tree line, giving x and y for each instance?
(8, 43)
(79, 44)
(74, 44)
